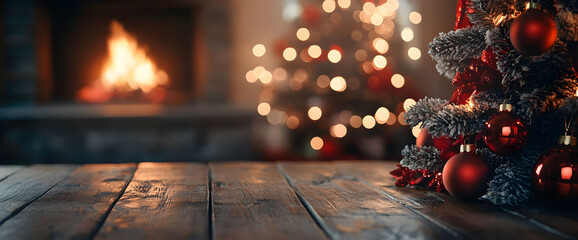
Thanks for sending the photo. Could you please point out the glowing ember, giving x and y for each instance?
(128, 68)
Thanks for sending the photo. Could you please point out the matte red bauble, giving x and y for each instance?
(533, 32)
(555, 176)
(505, 133)
(466, 175)
(424, 138)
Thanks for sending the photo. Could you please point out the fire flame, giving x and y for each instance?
(128, 68)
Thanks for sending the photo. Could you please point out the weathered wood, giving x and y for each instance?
(554, 218)
(6, 171)
(163, 201)
(477, 219)
(253, 201)
(350, 209)
(23, 187)
(73, 209)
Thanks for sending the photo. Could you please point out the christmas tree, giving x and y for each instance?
(514, 66)
(338, 88)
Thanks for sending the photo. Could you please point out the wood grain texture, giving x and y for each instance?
(6, 171)
(554, 218)
(163, 201)
(253, 201)
(472, 220)
(73, 209)
(350, 209)
(21, 188)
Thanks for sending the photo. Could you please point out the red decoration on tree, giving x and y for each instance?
(505, 133)
(422, 178)
(533, 32)
(448, 147)
(462, 20)
(555, 176)
(466, 175)
(424, 138)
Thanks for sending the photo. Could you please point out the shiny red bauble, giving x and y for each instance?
(466, 175)
(424, 138)
(533, 32)
(555, 176)
(505, 133)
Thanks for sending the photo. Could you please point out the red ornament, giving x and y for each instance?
(448, 147)
(555, 176)
(424, 138)
(505, 133)
(533, 32)
(462, 10)
(466, 175)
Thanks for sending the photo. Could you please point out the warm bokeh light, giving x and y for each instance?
(316, 143)
(279, 74)
(355, 121)
(360, 55)
(266, 77)
(264, 108)
(381, 115)
(328, 6)
(408, 103)
(379, 62)
(368, 122)
(300, 75)
(407, 34)
(376, 19)
(276, 117)
(314, 113)
(314, 51)
(415, 17)
(356, 36)
(391, 120)
(334, 56)
(415, 130)
(397, 80)
(338, 84)
(401, 118)
(344, 3)
(414, 53)
(259, 50)
(303, 34)
(128, 66)
(323, 81)
(292, 122)
(289, 54)
(380, 45)
(338, 130)
(250, 76)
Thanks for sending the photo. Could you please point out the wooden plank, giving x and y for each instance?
(23, 187)
(6, 171)
(253, 201)
(163, 201)
(477, 219)
(73, 209)
(554, 218)
(350, 209)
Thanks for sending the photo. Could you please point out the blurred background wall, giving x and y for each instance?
(63, 98)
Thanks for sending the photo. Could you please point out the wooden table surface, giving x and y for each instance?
(250, 200)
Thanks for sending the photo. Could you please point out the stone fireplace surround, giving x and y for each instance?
(34, 128)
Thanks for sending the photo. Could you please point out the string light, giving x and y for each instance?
(303, 34)
(314, 113)
(415, 17)
(407, 34)
(381, 115)
(397, 80)
(408, 103)
(289, 54)
(323, 81)
(328, 6)
(414, 53)
(344, 3)
(415, 130)
(380, 45)
(314, 51)
(263, 108)
(292, 122)
(379, 62)
(334, 56)
(355, 121)
(259, 50)
(338, 84)
(401, 118)
(316, 143)
(368, 122)
(338, 131)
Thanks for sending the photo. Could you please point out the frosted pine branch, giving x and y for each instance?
(570, 106)
(423, 109)
(425, 157)
(456, 120)
(567, 22)
(549, 98)
(452, 50)
(511, 182)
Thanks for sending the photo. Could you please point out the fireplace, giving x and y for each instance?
(66, 97)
